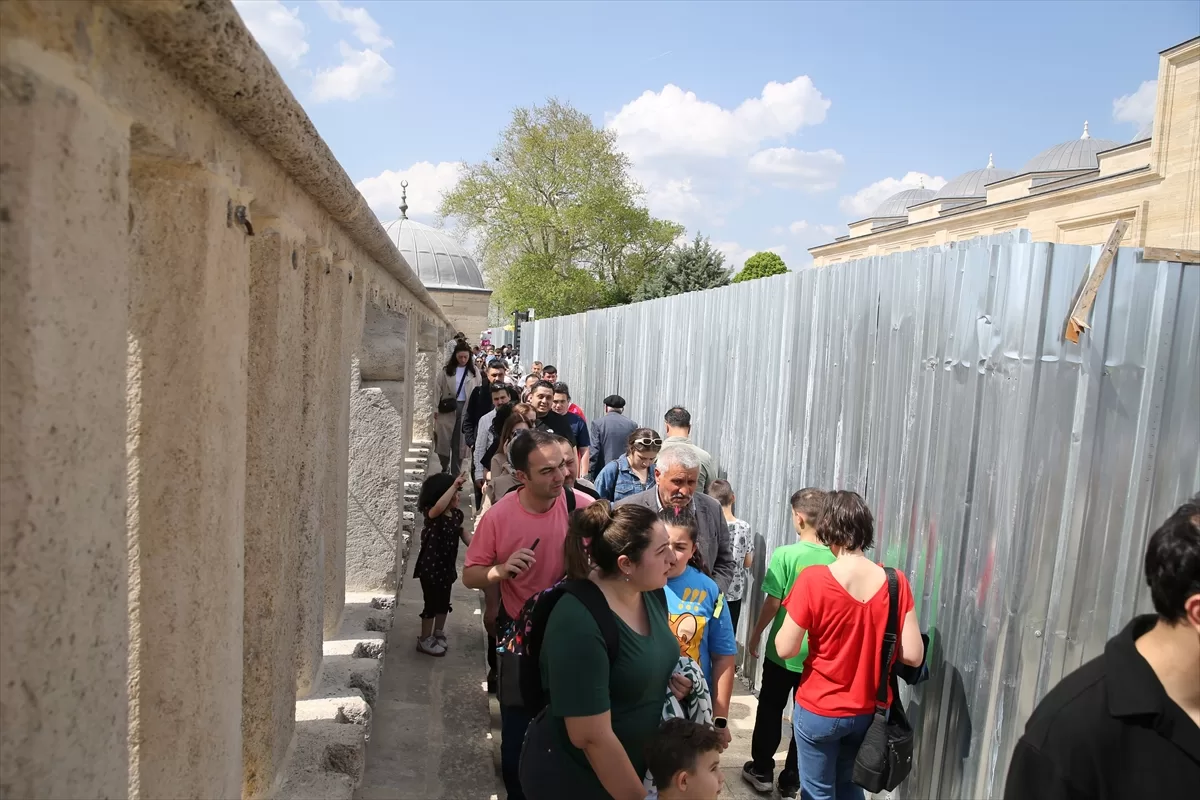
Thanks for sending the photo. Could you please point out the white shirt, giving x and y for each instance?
(460, 383)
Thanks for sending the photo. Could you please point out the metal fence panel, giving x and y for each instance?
(1014, 476)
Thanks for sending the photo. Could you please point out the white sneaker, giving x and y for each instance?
(441, 639)
(431, 647)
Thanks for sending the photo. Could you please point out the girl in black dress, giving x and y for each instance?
(438, 559)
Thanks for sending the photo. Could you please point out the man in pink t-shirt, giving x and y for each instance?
(518, 547)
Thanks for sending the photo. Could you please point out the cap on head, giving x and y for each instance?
(614, 401)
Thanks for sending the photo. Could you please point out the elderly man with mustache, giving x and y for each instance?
(676, 475)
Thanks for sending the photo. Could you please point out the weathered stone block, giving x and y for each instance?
(64, 184)
(188, 333)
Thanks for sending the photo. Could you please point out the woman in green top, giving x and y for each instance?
(591, 740)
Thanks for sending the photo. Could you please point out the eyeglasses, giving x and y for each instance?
(647, 442)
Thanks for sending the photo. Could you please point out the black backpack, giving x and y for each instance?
(521, 648)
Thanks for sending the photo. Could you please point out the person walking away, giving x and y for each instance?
(679, 432)
(573, 480)
(780, 677)
(844, 609)
(455, 383)
(741, 542)
(610, 434)
(502, 556)
(1127, 723)
(675, 480)
(684, 758)
(698, 616)
(633, 472)
(589, 743)
(560, 403)
(482, 433)
(437, 559)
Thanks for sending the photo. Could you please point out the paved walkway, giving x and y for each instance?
(435, 731)
(431, 732)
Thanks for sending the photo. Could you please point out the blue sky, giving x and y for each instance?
(760, 125)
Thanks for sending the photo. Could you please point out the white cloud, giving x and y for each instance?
(426, 184)
(868, 198)
(366, 29)
(361, 72)
(788, 167)
(697, 160)
(736, 255)
(832, 231)
(1138, 108)
(799, 226)
(806, 230)
(277, 29)
(674, 122)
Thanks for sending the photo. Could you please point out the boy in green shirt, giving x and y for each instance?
(779, 677)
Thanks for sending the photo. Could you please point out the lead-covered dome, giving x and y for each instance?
(897, 205)
(440, 260)
(971, 184)
(1076, 154)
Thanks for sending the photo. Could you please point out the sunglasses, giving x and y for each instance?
(647, 442)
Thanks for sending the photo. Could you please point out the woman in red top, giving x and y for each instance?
(844, 609)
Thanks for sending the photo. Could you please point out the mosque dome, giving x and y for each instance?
(897, 205)
(971, 184)
(1076, 154)
(440, 260)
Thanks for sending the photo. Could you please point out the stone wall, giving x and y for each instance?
(191, 287)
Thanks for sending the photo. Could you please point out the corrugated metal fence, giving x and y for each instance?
(1014, 476)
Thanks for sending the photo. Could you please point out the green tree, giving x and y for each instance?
(761, 265)
(690, 268)
(557, 216)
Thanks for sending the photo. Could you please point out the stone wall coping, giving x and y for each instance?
(212, 48)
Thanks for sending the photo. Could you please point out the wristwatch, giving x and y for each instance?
(720, 722)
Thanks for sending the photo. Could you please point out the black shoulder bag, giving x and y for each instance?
(885, 755)
(448, 404)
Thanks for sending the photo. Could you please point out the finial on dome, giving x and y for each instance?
(403, 199)
(990, 164)
(1086, 135)
(922, 179)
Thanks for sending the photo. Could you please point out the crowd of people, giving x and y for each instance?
(614, 568)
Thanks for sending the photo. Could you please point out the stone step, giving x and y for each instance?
(334, 722)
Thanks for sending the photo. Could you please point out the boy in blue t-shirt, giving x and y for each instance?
(698, 616)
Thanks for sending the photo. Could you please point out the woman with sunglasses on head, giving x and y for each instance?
(634, 471)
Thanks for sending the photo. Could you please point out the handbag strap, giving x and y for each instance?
(461, 381)
(889, 640)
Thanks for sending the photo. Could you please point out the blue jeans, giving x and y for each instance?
(514, 720)
(827, 747)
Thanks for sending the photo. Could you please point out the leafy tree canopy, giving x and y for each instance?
(761, 265)
(557, 216)
(689, 268)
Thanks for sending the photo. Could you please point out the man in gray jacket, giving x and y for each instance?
(676, 474)
(610, 434)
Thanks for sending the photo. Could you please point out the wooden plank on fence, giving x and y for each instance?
(1077, 322)
(1171, 254)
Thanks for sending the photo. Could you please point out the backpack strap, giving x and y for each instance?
(569, 496)
(890, 635)
(594, 601)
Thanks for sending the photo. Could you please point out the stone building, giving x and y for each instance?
(1070, 193)
(216, 379)
(446, 269)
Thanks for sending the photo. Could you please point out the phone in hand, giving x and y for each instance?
(535, 543)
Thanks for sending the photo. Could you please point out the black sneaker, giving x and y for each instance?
(762, 782)
(491, 683)
(789, 784)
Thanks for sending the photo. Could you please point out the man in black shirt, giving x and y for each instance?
(1127, 724)
(541, 396)
(478, 404)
